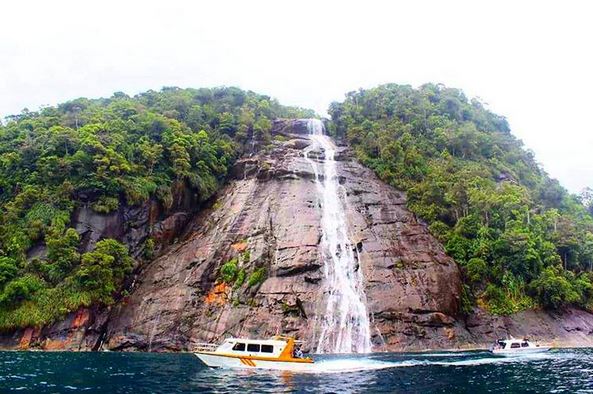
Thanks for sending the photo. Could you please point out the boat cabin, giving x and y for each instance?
(512, 343)
(279, 352)
(277, 347)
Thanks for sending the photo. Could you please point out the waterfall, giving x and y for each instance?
(345, 326)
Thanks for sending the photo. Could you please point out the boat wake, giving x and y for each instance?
(445, 354)
(350, 365)
(494, 360)
(368, 364)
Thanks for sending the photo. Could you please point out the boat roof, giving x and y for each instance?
(277, 340)
(513, 340)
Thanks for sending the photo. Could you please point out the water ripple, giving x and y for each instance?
(559, 371)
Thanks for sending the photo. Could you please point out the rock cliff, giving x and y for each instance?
(264, 227)
(271, 212)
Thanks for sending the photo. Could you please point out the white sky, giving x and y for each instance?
(531, 61)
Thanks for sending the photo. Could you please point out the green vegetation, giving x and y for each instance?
(104, 153)
(246, 256)
(240, 279)
(148, 250)
(39, 296)
(229, 271)
(519, 237)
(257, 277)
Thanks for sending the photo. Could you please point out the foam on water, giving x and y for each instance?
(448, 354)
(344, 365)
(341, 366)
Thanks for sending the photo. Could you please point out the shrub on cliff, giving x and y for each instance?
(229, 271)
(8, 270)
(20, 289)
(257, 277)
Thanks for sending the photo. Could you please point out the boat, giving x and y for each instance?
(278, 352)
(514, 346)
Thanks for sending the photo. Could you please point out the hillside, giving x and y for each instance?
(89, 159)
(156, 221)
(520, 238)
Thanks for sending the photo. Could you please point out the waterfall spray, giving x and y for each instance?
(345, 326)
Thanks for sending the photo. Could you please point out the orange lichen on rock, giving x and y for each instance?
(81, 318)
(26, 338)
(450, 333)
(218, 294)
(239, 247)
(51, 344)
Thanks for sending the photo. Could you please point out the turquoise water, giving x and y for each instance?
(567, 370)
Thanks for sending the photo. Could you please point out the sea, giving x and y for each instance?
(556, 371)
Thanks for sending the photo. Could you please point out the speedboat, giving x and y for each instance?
(278, 352)
(513, 346)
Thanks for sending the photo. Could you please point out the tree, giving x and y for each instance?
(227, 123)
(586, 198)
(102, 270)
(62, 253)
(588, 250)
(553, 289)
(8, 270)
(20, 289)
(261, 129)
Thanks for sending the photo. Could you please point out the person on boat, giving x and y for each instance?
(298, 352)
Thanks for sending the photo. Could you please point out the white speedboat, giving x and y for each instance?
(279, 352)
(513, 346)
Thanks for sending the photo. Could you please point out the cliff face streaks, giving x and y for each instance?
(274, 211)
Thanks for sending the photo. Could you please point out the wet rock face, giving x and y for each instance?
(268, 220)
(290, 127)
(268, 223)
(134, 224)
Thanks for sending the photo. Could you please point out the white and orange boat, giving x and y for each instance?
(279, 352)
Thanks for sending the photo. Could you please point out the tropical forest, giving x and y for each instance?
(521, 240)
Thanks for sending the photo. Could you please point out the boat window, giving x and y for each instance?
(515, 345)
(524, 344)
(253, 347)
(240, 346)
(267, 348)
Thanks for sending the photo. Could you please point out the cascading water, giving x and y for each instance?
(345, 327)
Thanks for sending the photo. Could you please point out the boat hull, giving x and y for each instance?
(520, 351)
(219, 361)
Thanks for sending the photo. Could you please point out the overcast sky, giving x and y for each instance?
(530, 61)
